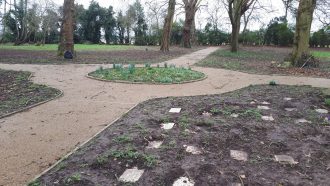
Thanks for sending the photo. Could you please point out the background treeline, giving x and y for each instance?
(25, 23)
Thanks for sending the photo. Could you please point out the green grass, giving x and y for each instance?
(321, 54)
(148, 75)
(78, 47)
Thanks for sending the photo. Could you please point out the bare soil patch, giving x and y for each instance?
(140, 56)
(264, 60)
(216, 140)
(18, 92)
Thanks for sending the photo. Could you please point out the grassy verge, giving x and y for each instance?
(265, 60)
(18, 92)
(78, 47)
(166, 75)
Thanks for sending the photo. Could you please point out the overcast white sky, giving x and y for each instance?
(202, 15)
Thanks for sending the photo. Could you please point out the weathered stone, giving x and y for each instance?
(322, 111)
(192, 149)
(175, 110)
(285, 159)
(234, 115)
(267, 118)
(154, 144)
(290, 109)
(263, 107)
(265, 103)
(207, 114)
(287, 99)
(131, 175)
(252, 102)
(184, 181)
(167, 126)
(302, 121)
(238, 155)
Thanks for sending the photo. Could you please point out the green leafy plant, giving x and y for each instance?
(327, 102)
(131, 68)
(74, 178)
(123, 139)
(147, 65)
(34, 183)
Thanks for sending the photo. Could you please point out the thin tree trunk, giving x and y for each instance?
(66, 41)
(303, 28)
(165, 43)
(189, 17)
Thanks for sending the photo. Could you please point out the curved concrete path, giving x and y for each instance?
(31, 141)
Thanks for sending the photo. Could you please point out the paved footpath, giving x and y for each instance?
(31, 141)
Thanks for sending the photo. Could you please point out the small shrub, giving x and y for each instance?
(272, 83)
(158, 66)
(147, 65)
(165, 65)
(131, 68)
(34, 183)
(123, 139)
(172, 65)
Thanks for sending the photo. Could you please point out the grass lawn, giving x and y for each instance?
(265, 60)
(18, 92)
(164, 75)
(258, 135)
(89, 54)
(78, 47)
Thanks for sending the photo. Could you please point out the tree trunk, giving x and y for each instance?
(189, 18)
(3, 19)
(165, 43)
(303, 27)
(66, 39)
(234, 36)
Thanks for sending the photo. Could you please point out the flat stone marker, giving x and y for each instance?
(238, 155)
(207, 114)
(290, 109)
(252, 102)
(154, 144)
(175, 110)
(234, 115)
(267, 118)
(302, 121)
(131, 175)
(183, 181)
(265, 103)
(322, 111)
(192, 149)
(287, 99)
(263, 107)
(285, 159)
(167, 126)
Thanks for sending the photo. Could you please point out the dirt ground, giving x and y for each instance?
(18, 92)
(140, 55)
(265, 60)
(215, 134)
(32, 141)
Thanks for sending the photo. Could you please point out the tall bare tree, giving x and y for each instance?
(165, 44)
(66, 37)
(236, 8)
(190, 7)
(287, 6)
(303, 28)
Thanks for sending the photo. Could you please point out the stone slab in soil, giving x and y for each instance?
(167, 126)
(239, 155)
(183, 181)
(175, 110)
(131, 175)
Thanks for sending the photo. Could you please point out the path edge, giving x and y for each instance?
(81, 145)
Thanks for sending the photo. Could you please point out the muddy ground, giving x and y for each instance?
(141, 55)
(264, 60)
(18, 92)
(207, 123)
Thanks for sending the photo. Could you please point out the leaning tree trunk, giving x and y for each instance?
(66, 38)
(165, 43)
(189, 18)
(303, 27)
